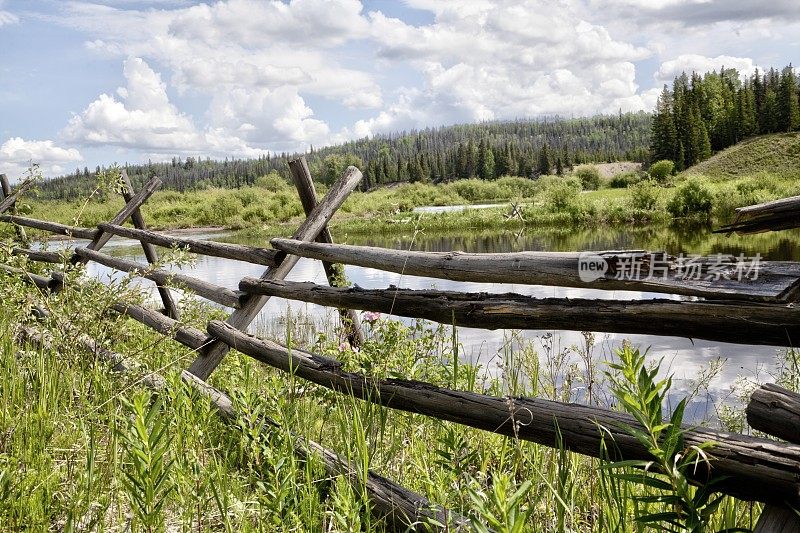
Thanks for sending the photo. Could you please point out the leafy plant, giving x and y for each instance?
(665, 478)
(644, 195)
(502, 507)
(147, 478)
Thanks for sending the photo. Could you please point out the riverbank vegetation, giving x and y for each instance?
(762, 169)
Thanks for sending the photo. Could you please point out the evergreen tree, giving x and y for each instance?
(664, 138)
(543, 167)
(788, 108)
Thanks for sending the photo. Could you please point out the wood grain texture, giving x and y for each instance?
(729, 321)
(10, 199)
(164, 278)
(238, 252)
(775, 411)
(777, 281)
(301, 175)
(150, 253)
(51, 227)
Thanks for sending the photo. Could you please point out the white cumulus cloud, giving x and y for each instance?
(17, 154)
(141, 117)
(697, 63)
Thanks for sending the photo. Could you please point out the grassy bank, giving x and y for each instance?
(551, 201)
(74, 433)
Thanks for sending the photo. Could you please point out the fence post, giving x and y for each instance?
(170, 309)
(301, 176)
(9, 201)
(6, 189)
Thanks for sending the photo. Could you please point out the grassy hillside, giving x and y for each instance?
(777, 154)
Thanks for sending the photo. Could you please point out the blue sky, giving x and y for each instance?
(90, 83)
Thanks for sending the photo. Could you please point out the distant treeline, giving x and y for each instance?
(704, 114)
(486, 150)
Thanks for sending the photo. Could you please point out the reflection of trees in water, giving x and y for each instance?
(676, 239)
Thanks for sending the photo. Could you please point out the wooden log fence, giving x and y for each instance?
(717, 320)
(776, 281)
(718, 308)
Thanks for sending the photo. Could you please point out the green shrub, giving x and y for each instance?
(626, 179)
(562, 194)
(690, 200)
(589, 176)
(661, 170)
(272, 182)
(644, 195)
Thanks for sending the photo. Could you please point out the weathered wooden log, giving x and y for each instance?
(40, 281)
(775, 281)
(215, 293)
(775, 411)
(5, 186)
(720, 320)
(169, 327)
(41, 256)
(301, 175)
(10, 199)
(746, 467)
(149, 250)
(768, 216)
(51, 227)
(238, 252)
(777, 519)
(308, 230)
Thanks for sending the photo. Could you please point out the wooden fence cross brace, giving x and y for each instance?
(10, 200)
(241, 318)
(101, 237)
(308, 197)
(170, 309)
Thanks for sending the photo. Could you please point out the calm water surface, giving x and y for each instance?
(684, 357)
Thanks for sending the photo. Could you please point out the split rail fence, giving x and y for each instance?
(754, 311)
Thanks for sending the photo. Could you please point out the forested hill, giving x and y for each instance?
(486, 150)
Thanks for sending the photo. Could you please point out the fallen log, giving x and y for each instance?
(719, 320)
(657, 272)
(746, 467)
(768, 216)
